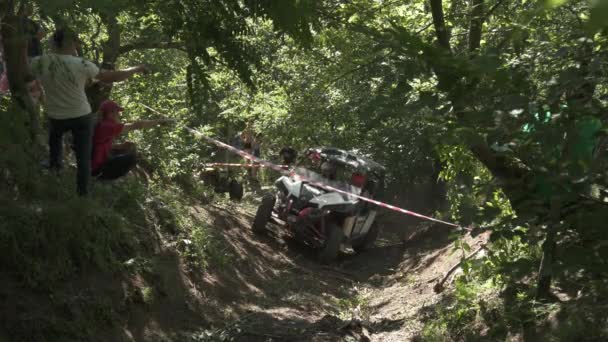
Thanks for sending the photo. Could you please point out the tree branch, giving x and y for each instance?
(94, 37)
(21, 7)
(142, 45)
(439, 287)
(354, 70)
(429, 24)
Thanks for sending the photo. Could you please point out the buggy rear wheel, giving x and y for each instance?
(368, 240)
(263, 214)
(333, 240)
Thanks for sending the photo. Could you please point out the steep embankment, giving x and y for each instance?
(218, 281)
(271, 288)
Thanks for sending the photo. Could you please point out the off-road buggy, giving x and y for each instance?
(324, 219)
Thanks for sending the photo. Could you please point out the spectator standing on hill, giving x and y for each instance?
(251, 145)
(64, 76)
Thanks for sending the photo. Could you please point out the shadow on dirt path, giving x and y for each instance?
(272, 288)
(249, 287)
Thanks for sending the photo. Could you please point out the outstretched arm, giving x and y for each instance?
(144, 124)
(110, 76)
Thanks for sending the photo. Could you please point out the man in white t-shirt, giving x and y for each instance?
(64, 76)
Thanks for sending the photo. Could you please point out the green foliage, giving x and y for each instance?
(597, 19)
(49, 240)
(204, 249)
(49, 235)
(354, 305)
(147, 294)
(196, 241)
(475, 307)
(373, 80)
(84, 242)
(472, 194)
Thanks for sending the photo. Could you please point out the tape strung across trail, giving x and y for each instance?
(240, 165)
(281, 170)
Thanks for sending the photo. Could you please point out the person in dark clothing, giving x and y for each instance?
(111, 161)
(121, 159)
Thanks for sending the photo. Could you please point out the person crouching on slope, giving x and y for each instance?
(111, 161)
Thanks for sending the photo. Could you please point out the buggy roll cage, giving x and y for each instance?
(353, 161)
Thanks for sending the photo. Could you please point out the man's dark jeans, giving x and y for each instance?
(82, 134)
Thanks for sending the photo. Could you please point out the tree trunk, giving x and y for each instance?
(545, 271)
(512, 174)
(15, 55)
(443, 35)
(439, 189)
(476, 25)
(98, 92)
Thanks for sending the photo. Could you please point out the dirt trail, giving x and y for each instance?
(253, 288)
(399, 301)
(271, 288)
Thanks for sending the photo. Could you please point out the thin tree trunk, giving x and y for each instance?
(545, 271)
(439, 190)
(443, 35)
(15, 55)
(99, 92)
(476, 25)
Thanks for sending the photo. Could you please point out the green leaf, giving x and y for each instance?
(354, 18)
(554, 3)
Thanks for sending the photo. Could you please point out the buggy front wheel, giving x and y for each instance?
(235, 190)
(368, 240)
(333, 240)
(263, 214)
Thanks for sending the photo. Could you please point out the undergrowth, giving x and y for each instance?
(50, 234)
(50, 239)
(493, 300)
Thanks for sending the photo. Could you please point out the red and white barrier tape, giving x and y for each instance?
(281, 170)
(240, 165)
(378, 203)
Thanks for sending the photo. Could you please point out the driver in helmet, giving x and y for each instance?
(329, 170)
